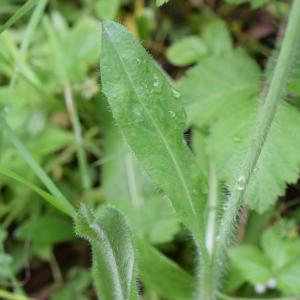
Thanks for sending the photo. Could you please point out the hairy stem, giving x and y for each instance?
(266, 116)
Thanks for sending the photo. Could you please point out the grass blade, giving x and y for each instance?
(34, 20)
(26, 7)
(64, 203)
(45, 195)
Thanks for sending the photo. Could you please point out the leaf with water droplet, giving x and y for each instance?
(240, 183)
(157, 139)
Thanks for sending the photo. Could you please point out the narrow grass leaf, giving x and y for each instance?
(45, 195)
(26, 7)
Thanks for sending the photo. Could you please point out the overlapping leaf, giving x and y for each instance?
(224, 98)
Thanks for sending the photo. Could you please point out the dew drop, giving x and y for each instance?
(236, 139)
(240, 184)
(138, 61)
(260, 288)
(272, 284)
(176, 93)
(172, 113)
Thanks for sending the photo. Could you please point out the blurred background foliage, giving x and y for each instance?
(51, 94)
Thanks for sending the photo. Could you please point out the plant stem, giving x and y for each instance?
(265, 119)
(81, 156)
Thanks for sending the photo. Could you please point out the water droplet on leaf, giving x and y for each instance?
(176, 93)
(240, 184)
(272, 284)
(260, 288)
(172, 113)
(236, 139)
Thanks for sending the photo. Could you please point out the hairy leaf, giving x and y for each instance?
(113, 252)
(149, 112)
(127, 187)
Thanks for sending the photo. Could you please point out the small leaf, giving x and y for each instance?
(216, 36)
(186, 51)
(152, 119)
(113, 252)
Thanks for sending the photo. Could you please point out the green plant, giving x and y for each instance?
(146, 107)
(151, 114)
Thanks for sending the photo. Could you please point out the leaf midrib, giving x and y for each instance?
(165, 142)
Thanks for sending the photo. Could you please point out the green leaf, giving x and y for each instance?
(148, 110)
(251, 263)
(210, 87)
(113, 252)
(187, 51)
(163, 275)
(279, 162)
(127, 187)
(46, 230)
